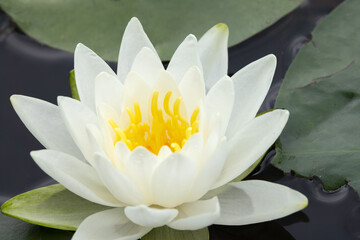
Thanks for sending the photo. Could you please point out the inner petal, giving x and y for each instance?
(165, 127)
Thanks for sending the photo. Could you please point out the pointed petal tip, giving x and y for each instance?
(103, 75)
(195, 69)
(60, 100)
(135, 23)
(145, 49)
(33, 154)
(222, 27)
(134, 20)
(304, 203)
(191, 38)
(150, 217)
(14, 98)
(300, 201)
(80, 47)
(36, 154)
(271, 58)
(284, 113)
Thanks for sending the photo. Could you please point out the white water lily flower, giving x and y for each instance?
(155, 146)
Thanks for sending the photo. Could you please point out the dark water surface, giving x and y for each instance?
(30, 68)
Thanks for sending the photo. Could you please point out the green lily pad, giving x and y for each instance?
(322, 92)
(169, 233)
(99, 24)
(14, 229)
(51, 206)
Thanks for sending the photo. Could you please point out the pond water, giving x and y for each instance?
(30, 68)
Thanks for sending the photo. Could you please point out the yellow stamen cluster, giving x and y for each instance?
(172, 130)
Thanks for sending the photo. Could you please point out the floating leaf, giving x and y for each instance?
(99, 24)
(14, 229)
(322, 92)
(51, 206)
(169, 233)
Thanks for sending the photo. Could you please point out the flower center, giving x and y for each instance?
(168, 127)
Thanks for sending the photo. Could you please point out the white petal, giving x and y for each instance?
(148, 65)
(164, 152)
(140, 166)
(87, 66)
(251, 85)
(172, 180)
(192, 89)
(110, 224)
(220, 100)
(134, 39)
(203, 120)
(196, 215)
(165, 83)
(193, 147)
(250, 143)
(214, 53)
(137, 90)
(150, 217)
(213, 137)
(95, 139)
(44, 121)
(78, 177)
(76, 117)
(185, 56)
(254, 201)
(108, 90)
(98, 142)
(104, 114)
(117, 182)
(121, 153)
(209, 172)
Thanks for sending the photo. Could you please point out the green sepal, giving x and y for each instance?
(73, 88)
(169, 233)
(53, 206)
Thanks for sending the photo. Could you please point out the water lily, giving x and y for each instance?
(155, 145)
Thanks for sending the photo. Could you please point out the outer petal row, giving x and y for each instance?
(77, 176)
(76, 117)
(185, 57)
(134, 39)
(110, 224)
(213, 53)
(251, 142)
(45, 122)
(196, 215)
(254, 201)
(87, 66)
(251, 85)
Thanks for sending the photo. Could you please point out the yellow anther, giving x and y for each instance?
(113, 124)
(154, 103)
(175, 147)
(121, 134)
(131, 115)
(188, 132)
(129, 144)
(195, 126)
(137, 112)
(194, 116)
(167, 103)
(167, 127)
(183, 142)
(177, 106)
